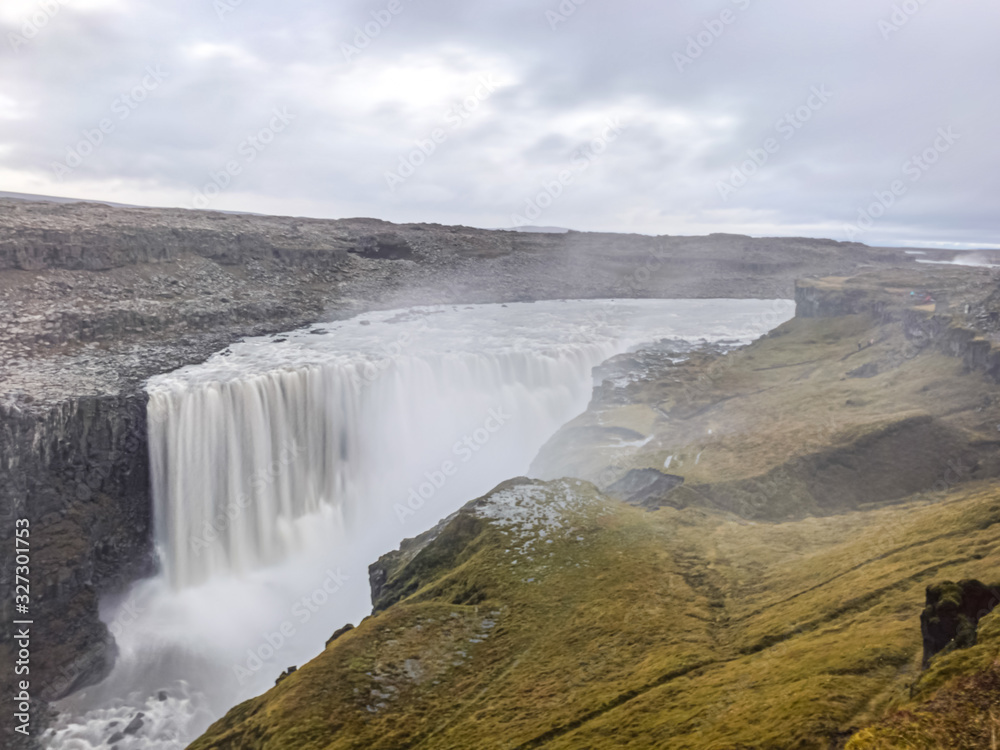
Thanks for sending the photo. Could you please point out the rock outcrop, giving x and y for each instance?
(952, 614)
(647, 488)
(78, 472)
(954, 310)
(952, 705)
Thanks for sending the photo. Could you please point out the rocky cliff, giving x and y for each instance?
(950, 619)
(90, 520)
(957, 311)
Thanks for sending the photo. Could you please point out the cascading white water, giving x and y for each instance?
(283, 466)
(236, 462)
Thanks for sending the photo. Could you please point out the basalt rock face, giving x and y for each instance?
(817, 300)
(647, 488)
(978, 349)
(953, 310)
(952, 614)
(77, 473)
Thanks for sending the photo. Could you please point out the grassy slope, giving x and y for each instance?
(954, 704)
(680, 628)
(734, 426)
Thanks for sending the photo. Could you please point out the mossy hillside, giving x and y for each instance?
(624, 628)
(954, 703)
(528, 581)
(779, 429)
(823, 623)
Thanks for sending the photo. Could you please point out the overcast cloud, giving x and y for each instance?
(767, 118)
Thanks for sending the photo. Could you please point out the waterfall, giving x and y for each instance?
(346, 417)
(236, 463)
(284, 465)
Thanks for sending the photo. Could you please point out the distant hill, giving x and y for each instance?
(57, 199)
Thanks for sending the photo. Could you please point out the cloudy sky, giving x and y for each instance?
(873, 120)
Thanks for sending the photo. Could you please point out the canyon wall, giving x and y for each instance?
(955, 311)
(95, 300)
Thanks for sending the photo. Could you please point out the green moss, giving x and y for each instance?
(675, 628)
(452, 546)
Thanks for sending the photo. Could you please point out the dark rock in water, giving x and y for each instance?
(161, 696)
(647, 488)
(116, 737)
(869, 370)
(952, 614)
(285, 674)
(135, 725)
(339, 632)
